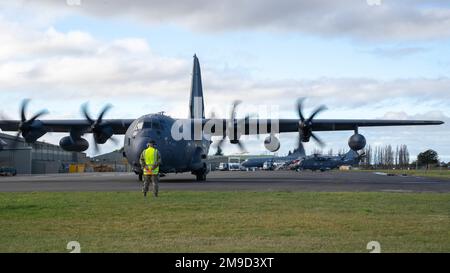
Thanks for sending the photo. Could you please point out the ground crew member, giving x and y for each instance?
(150, 161)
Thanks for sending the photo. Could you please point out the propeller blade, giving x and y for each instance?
(299, 108)
(317, 111)
(105, 109)
(233, 111)
(98, 129)
(249, 116)
(318, 140)
(23, 108)
(242, 147)
(114, 140)
(219, 151)
(96, 146)
(221, 141)
(85, 111)
(41, 113)
(219, 146)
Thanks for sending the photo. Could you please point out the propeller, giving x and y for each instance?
(232, 123)
(305, 124)
(101, 131)
(219, 144)
(31, 129)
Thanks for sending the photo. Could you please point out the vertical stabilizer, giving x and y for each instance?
(299, 152)
(196, 104)
(351, 157)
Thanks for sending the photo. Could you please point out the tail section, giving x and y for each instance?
(300, 151)
(352, 157)
(196, 103)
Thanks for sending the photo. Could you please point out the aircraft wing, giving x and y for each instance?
(118, 126)
(292, 125)
(257, 126)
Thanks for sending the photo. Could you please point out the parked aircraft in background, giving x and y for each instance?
(324, 163)
(258, 162)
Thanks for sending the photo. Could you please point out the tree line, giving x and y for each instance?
(381, 157)
(386, 157)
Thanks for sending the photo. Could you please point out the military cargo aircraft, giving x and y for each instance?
(258, 162)
(184, 143)
(325, 162)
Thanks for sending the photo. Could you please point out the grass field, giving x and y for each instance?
(224, 222)
(443, 174)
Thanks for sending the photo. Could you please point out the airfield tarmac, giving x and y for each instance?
(229, 181)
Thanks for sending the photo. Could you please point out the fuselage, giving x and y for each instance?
(318, 162)
(258, 162)
(176, 155)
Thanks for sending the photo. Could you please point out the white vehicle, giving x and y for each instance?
(234, 163)
(223, 166)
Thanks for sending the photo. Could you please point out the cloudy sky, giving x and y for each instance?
(362, 58)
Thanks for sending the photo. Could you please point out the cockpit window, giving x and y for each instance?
(156, 125)
(139, 126)
(148, 125)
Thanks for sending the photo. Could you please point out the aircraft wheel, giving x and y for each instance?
(200, 176)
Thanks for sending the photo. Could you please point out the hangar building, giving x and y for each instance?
(37, 158)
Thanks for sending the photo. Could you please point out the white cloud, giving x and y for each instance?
(402, 19)
(74, 64)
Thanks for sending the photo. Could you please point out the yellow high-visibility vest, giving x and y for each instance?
(151, 157)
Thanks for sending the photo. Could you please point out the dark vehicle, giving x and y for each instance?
(6, 171)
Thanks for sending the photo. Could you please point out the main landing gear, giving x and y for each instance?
(200, 176)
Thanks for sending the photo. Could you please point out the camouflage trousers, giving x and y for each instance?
(154, 180)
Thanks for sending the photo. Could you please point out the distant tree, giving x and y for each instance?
(403, 157)
(397, 157)
(428, 157)
(389, 156)
(367, 159)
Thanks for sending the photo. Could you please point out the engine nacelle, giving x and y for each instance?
(272, 143)
(73, 145)
(357, 142)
